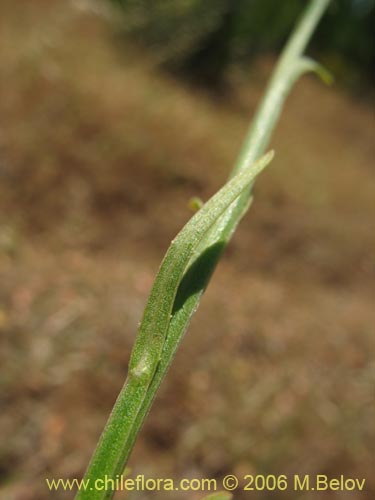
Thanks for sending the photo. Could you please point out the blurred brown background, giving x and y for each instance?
(100, 151)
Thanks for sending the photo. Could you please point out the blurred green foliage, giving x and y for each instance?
(202, 38)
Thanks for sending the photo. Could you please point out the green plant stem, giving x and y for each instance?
(115, 446)
(109, 458)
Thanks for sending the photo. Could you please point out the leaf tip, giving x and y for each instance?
(195, 204)
(267, 158)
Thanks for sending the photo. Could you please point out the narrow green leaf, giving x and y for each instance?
(156, 318)
(115, 444)
(307, 64)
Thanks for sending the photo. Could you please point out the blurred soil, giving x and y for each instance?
(99, 155)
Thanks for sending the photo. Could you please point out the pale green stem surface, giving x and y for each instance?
(136, 397)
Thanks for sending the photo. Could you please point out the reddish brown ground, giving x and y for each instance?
(99, 155)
